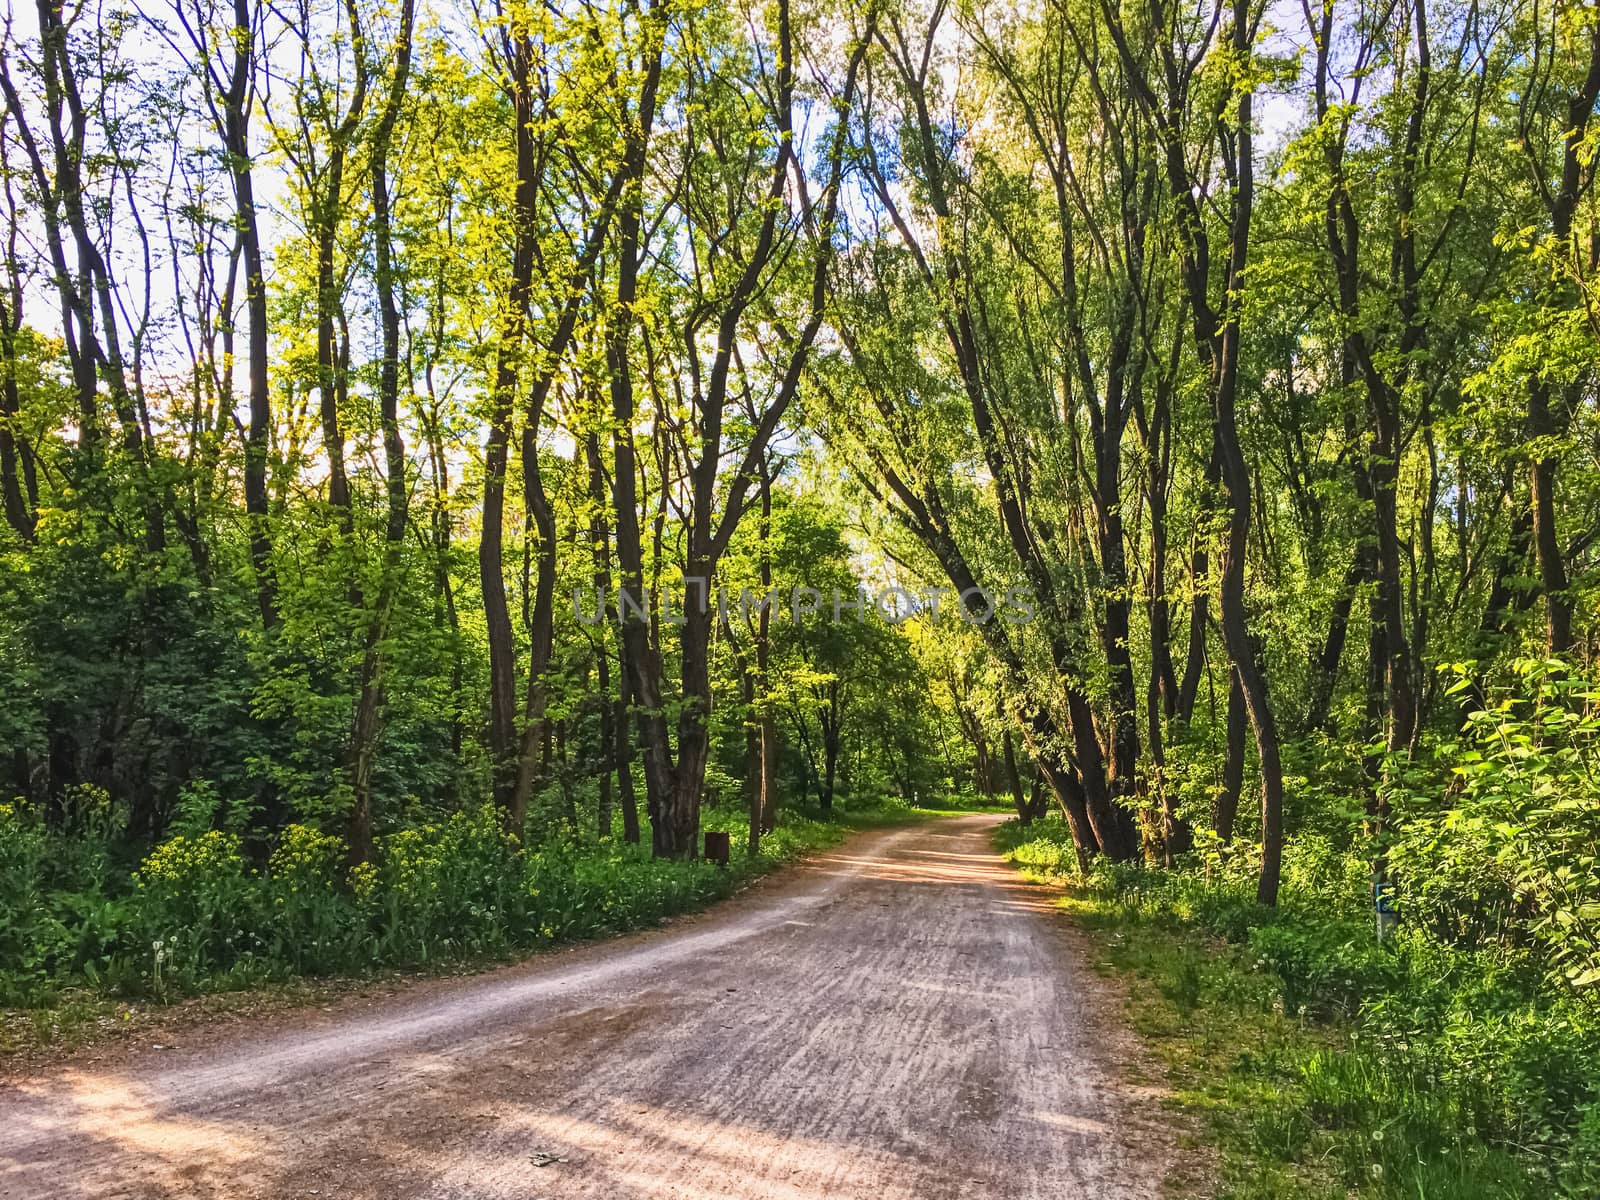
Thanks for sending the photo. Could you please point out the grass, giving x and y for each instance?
(1312, 1099)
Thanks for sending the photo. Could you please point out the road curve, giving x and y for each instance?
(901, 1019)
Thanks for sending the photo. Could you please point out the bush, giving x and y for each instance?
(1465, 1063)
(195, 915)
(29, 936)
(198, 908)
(1508, 853)
(449, 889)
(314, 926)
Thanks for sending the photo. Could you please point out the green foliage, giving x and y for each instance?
(27, 933)
(1510, 852)
(197, 909)
(307, 915)
(197, 915)
(1413, 1068)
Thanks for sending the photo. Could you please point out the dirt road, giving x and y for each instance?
(901, 1018)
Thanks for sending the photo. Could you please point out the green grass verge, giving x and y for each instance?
(1304, 1092)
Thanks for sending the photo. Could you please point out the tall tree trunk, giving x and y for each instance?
(641, 663)
(830, 719)
(1037, 733)
(1577, 180)
(1116, 609)
(258, 438)
(1163, 675)
(19, 489)
(622, 732)
(1236, 479)
(1238, 727)
(600, 544)
(759, 724)
(1325, 666)
(1161, 691)
(1217, 337)
(1026, 806)
(769, 717)
(1236, 635)
(1200, 603)
(752, 759)
(369, 697)
(675, 816)
(326, 205)
(1382, 466)
(1113, 826)
(541, 631)
(604, 805)
(13, 445)
(329, 387)
(504, 747)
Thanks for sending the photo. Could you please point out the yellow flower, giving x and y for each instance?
(363, 881)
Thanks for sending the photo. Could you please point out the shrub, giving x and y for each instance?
(199, 908)
(314, 926)
(1508, 853)
(1470, 1067)
(447, 888)
(1324, 966)
(194, 915)
(29, 934)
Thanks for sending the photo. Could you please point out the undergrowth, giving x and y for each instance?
(204, 912)
(1327, 1065)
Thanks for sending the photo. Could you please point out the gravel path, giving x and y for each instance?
(900, 1018)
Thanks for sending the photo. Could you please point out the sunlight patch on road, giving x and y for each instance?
(114, 1112)
(1070, 1123)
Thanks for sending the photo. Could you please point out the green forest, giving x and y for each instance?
(454, 457)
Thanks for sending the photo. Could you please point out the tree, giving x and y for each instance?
(733, 238)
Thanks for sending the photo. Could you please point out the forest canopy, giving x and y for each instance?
(352, 352)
